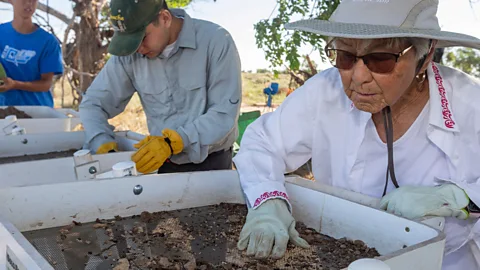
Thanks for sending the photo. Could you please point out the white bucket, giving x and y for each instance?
(82, 157)
(125, 168)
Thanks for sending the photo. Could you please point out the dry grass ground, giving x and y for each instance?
(133, 118)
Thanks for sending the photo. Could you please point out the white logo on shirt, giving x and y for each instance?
(17, 56)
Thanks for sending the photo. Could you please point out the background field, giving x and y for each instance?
(133, 118)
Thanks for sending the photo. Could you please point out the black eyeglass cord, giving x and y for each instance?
(388, 122)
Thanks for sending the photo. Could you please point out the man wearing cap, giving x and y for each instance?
(385, 121)
(188, 77)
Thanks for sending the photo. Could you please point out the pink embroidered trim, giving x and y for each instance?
(269, 195)
(447, 114)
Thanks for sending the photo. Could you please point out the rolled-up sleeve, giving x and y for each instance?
(107, 96)
(224, 98)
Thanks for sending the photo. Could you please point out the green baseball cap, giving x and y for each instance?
(129, 19)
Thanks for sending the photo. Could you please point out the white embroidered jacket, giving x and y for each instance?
(318, 121)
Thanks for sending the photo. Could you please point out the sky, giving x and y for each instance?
(239, 16)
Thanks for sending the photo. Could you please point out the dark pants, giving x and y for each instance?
(221, 160)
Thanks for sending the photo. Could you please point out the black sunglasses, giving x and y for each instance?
(380, 62)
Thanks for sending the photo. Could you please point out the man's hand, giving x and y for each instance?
(413, 202)
(107, 148)
(8, 84)
(268, 229)
(153, 151)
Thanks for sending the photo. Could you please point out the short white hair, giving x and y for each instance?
(421, 45)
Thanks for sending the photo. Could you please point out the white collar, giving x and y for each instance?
(441, 114)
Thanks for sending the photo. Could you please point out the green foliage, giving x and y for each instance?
(104, 22)
(3, 74)
(467, 60)
(281, 46)
(263, 70)
(178, 3)
(103, 18)
(105, 12)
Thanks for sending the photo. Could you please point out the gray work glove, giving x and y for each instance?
(269, 226)
(413, 202)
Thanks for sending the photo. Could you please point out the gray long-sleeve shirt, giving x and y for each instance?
(195, 91)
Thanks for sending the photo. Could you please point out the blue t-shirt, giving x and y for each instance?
(25, 58)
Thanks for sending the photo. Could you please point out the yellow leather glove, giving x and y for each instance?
(153, 151)
(107, 148)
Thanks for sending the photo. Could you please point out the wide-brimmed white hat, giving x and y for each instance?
(372, 19)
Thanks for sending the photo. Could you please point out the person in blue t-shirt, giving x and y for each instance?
(31, 58)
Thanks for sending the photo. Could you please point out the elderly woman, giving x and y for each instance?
(386, 122)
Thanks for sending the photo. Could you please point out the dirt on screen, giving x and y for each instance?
(195, 238)
(50, 155)
(10, 110)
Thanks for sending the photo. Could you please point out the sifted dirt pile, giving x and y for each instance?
(196, 238)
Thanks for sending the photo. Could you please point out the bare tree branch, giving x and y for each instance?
(305, 74)
(65, 35)
(59, 15)
(296, 78)
(63, 91)
(64, 52)
(45, 24)
(101, 4)
(68, 68)
(310, 65)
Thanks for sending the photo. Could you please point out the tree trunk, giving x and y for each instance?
(83, 56)
(88, 51)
